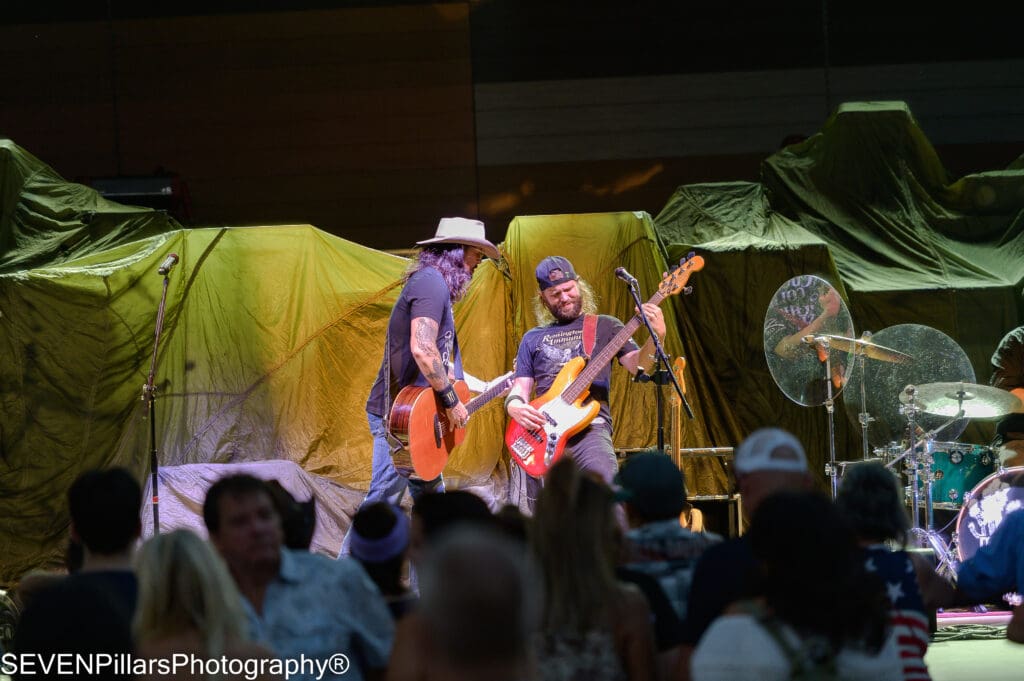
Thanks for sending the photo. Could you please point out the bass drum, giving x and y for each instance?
(984, 508)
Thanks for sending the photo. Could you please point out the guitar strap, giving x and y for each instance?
(589, 334)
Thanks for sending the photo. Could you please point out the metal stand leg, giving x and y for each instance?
(921, 464)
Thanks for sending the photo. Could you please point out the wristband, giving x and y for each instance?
(449, 398)
(512, 398)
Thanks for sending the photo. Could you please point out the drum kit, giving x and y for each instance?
(915, 394)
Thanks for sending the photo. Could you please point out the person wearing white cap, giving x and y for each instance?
(421, 346)
(769, 460)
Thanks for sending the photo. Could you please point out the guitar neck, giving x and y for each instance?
(489, 394)
(602, 358)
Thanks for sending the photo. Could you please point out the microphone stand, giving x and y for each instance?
(149, 395)
(660, 376)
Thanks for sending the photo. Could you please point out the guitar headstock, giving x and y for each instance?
(678, 367)
(675, 281)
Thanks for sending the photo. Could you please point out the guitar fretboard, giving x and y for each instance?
(598, 361)
(489, 394)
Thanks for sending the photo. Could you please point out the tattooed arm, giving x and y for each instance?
(423, 345)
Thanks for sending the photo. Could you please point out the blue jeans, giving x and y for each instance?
(386, 484)
(997, 567)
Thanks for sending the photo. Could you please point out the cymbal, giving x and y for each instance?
(976, 401)
(867, 348)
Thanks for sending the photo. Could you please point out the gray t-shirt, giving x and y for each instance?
(425, 295)
(544, 350)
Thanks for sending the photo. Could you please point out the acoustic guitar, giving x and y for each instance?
(563, 406)
(420, 422)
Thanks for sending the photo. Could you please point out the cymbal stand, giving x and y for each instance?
(831, 469)
(909, 410)
(863, 417)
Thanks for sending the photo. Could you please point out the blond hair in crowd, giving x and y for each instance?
(184, 586)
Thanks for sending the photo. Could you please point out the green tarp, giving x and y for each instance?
(865, 204)
(271, 339)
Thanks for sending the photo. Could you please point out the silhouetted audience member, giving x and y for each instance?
(653, 492)
(871, 501)
(298, 518)
(513, 523)
(766, 462)
(819, 611)
(593, 626)
(189, 604)
(478, 615)
(75, 617)
(297, 602)
(105, 507)
(435, 513)
(380, 542)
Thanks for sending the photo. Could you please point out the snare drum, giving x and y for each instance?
(956, 469)
(986, 505)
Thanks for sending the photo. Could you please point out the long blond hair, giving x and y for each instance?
(573, 535)
(184, 586)
(587, 297)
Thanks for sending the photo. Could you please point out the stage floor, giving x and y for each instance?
(964, 650)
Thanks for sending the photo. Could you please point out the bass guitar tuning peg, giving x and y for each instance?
(687, 290)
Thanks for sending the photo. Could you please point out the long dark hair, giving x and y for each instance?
(871, 501)
(811, 574)
(448, 259)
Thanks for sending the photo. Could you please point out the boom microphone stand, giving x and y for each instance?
(149, 390)
(660, 376)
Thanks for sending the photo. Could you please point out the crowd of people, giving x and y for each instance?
(565, 594)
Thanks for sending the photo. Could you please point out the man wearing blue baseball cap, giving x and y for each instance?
(653, 492)
(571, 328)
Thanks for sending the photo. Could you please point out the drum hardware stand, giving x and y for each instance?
(925, 536)
(863, 417)
(831, 469)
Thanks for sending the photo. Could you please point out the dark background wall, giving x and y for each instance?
(371, 120)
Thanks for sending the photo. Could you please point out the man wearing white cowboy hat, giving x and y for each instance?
(421, 347)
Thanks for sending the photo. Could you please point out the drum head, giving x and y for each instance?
(993, 499)
(876, 385)
(798, 367)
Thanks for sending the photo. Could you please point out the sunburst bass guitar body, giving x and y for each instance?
(536, 450)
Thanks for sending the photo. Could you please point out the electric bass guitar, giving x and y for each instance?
(562, 405)
(420, 422)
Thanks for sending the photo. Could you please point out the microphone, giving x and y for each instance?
(625, 276)
(168, 264)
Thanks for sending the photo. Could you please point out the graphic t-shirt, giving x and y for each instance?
(545, 350)
(425, 295)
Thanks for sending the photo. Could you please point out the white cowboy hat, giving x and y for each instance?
(462, 231)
